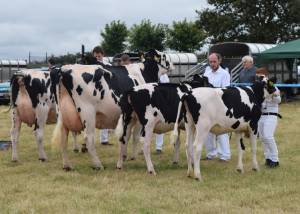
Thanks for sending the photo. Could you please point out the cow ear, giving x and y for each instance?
(141, 56)
(156, 58)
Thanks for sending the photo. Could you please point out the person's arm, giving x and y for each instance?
(276, 98)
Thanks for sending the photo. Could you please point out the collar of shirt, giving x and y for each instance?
(208, 69)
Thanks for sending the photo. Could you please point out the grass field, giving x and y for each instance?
(30, 186)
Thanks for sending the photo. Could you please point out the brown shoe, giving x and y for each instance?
(158, 151)
(106, 143)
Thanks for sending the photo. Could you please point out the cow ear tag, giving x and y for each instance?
(271, 83)
(157, 59)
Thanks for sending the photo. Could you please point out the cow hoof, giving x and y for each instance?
(175, 162)
(14, 160)
(75, 150)
(97, 168)
(255, 169)
(42, 159)
(67, 168)
(198, 179)
(119, 168)
(133, 158)
(84, 150)
(239, 170)
(152, 173)
(124, 157)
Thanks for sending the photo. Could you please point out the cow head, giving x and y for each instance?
(161, 59)
(198, 81)
(263, 87)
(201, 81)
(154, 64)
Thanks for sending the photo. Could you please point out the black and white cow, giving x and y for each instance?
(155, 106)
(223, 110)
(32, 103)
(88, 97)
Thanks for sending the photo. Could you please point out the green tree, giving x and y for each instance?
(262, 21)
(146, 36)
(114, 36)
(185, 36)
(66, 59)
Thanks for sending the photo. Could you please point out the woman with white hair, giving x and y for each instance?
(247, 75)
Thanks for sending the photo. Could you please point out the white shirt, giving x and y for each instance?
(218, 78)
(164, 78)
(271, 105)
(105, 62)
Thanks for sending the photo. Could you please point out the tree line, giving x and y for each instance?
(256, 21)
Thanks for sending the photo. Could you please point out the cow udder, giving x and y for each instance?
(24, 107)
(69, 114)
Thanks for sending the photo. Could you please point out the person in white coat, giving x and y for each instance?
(160, 137)
(217, 146)
(267, 124)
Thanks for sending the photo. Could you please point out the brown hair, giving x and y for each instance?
(125, 57)
(262, 71)
(98, 49)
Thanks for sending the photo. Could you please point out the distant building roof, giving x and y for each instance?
(238, 49)
(5, 62)
(182, 58)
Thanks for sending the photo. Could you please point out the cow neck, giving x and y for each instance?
(258, 89)
(150, 72)
(119, 82)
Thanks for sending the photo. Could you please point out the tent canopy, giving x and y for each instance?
(239, 49)
(289, 50)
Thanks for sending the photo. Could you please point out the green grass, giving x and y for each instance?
(30, 186)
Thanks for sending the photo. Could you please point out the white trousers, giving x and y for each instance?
(103, 135)
(266, 128)
(217, 146)
(159, 141)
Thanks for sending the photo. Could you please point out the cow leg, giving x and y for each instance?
(75, 145)
(240, 167)
(64, 147)
(135, 140)
(123, 141)
(15, 133)
(176, 149)
(253, 151)
(189, 147)
(39, 133)
(88, 117)
(201, 134)
(41, 118)
(92, 150)
(146, 147)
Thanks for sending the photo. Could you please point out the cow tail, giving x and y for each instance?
(174, 134)
(56, 136)
(125, 116)
(119, 129)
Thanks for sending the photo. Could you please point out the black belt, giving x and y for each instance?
(272, 113)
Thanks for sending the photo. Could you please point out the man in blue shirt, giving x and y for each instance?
(247, 75)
